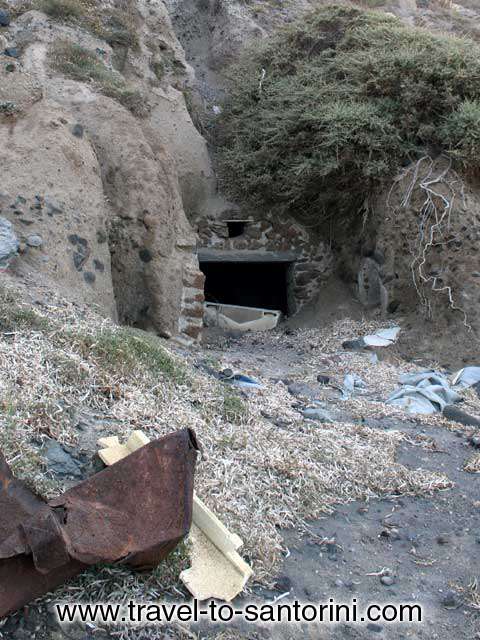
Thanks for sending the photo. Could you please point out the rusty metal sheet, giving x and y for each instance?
(134, 512)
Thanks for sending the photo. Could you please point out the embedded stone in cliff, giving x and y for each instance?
(8, 243)
(35, 241)
(145, 255)
(77, 130)
(370, 283)
(4, 18)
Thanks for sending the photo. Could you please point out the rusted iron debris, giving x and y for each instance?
(134, 512)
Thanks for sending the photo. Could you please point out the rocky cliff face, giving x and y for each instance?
(94, 165)
(106, 180)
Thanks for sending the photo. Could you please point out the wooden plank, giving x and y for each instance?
(217, 569)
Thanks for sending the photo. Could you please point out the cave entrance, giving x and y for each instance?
(248, 282)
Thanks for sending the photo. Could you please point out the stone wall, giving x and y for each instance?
(313, 262)
(191, 317)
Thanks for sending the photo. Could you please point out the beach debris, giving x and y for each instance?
(134, 512)
(229, 376)
(217, 570)
(431, 391)
(112, 451)
(425, 392)
(239, 380)
(381, 338)
(351, 383)
(467, 377)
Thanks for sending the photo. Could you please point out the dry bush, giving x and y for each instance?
(325, 111)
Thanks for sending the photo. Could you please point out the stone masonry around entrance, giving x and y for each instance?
(312, 259)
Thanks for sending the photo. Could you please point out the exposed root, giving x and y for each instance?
(434, 221)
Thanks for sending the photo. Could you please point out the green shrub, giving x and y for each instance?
(115, 25)
(18, 8)
(158, 68)
(462, 132)
(372, 4)
(328, 108)
(61, 9)
(17, 317)
(80, 63)
(126, 350)
(118, 32)
(84, 65)
(233, 407)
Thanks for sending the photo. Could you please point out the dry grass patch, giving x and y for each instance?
(84, 65)
(471, 594)
(125, 350)
(116, 25)
(256, 476)
(472, 465)
(62, 9)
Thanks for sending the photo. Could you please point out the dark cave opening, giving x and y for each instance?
(236, 228)
(248, 284)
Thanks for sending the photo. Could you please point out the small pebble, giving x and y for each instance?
(388, 581)
(450, 600)
(376, 628)
(443, 539)
(475, 441)
(283, 584)
(34, 241)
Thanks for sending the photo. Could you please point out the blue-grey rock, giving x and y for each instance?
(8, 243)
(12, 52)
(4, 18)
(34, 241)
(302, 389)
(145, 255)
(61, 462)
(78, 130)
(450, 600)
(374, 627)
(322, 415)
(354, 345)
(79, 260)
(457, 415)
